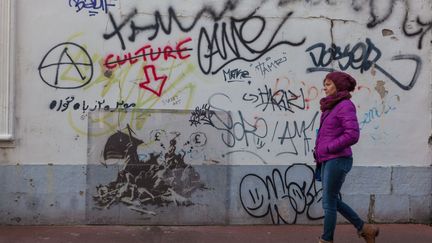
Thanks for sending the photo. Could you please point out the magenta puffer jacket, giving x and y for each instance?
(339, 130)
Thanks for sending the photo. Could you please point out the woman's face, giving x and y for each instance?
(329, 87)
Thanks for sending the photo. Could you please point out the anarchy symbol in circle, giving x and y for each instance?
(66, 66)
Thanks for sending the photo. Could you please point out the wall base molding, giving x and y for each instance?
(65, 194)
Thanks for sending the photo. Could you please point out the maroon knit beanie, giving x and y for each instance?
(342, 81)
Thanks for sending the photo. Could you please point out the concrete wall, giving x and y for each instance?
(206, 112)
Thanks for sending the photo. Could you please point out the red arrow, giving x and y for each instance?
(154, 79)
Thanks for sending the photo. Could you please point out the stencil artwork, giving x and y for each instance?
(160, 177)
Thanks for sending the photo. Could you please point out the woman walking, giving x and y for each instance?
(339, 130)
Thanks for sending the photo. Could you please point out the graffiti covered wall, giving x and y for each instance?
(213, 106)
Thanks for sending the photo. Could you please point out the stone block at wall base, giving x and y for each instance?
(367, 180)
(359, 203)
(42, 194)
(391, 209)
(415, 181)
(42, 208)
(420, 209)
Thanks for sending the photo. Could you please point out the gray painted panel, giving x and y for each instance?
(205, 203)
(100, 175)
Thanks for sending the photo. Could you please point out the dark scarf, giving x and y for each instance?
(327, 103)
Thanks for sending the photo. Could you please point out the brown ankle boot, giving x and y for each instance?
(369, 232)
(323, 241)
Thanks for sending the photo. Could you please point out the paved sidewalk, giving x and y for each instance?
(390, 233)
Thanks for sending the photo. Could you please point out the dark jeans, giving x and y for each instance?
(333, 174)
